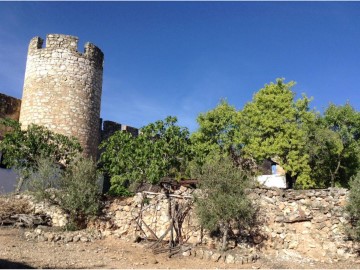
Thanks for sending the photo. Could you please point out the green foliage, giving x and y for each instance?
(322, 143)
(119, 187)
(80, 189)
(22, 148)
(161, 150)
(223, 200)
(344, 156)
(353, 207)
(333, 146)
(274, 125)
(215, 136)
(75, 189)
(43, 177)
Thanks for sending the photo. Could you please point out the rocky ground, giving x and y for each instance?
(17, 251)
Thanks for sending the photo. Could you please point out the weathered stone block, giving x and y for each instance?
(216, 256)
(230, 259)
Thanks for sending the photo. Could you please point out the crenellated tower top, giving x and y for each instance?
(67, 42)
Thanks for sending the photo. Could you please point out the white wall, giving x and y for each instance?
(278, 181)
(7, 180)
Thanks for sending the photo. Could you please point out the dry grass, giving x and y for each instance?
(11, 205)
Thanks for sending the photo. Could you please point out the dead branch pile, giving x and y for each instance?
(18, 212)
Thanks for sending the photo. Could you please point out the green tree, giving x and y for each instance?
(76, 189)
(353, 206)
(343, 151)
(79, 192)
(215, 136)
(22, 148)
(322, 144)
(161, 150)
(274, 125)
(223, 200)
(43, 177)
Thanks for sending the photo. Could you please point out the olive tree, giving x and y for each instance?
(76, 188)
(223, 200)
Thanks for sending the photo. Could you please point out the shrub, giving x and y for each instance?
(23, 148)
(223, 200)
(161, 150)
(120, 187)
(76, 189)
(80, 192)
(353, 207)
(43, 178)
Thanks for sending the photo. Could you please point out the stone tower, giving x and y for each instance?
(62, 89)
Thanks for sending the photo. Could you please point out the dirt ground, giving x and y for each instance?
(17, 252)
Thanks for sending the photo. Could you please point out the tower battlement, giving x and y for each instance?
(62, 88)
(62, 41)
(68, 43)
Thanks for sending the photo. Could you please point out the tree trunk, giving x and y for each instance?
(334, 174)
(19, 185)
(225, 236)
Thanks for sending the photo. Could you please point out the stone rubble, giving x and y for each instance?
(56, 215)
(43, 235)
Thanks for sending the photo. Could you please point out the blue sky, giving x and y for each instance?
(181, 58)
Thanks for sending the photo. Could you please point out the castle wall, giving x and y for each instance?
(109, 128)
(132, 130)
(62, 89)
(9, 108)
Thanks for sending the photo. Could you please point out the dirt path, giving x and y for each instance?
(17, 252)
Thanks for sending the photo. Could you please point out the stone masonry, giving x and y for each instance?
(110, 127)
(309, 223)
(9, 108)
(62, 89)
(296, 225)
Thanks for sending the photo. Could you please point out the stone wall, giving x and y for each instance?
(62, 89)
(109, 128)
(9, 108)
(122, 215)
(132, 130)
(310, 223)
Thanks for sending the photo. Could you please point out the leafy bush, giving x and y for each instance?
(23, 148)
(215, 136)
(162, 149)
(44, 177)
(223, 200)
(119, 187)
(79, 190)
(353, 207)
(75, 189)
